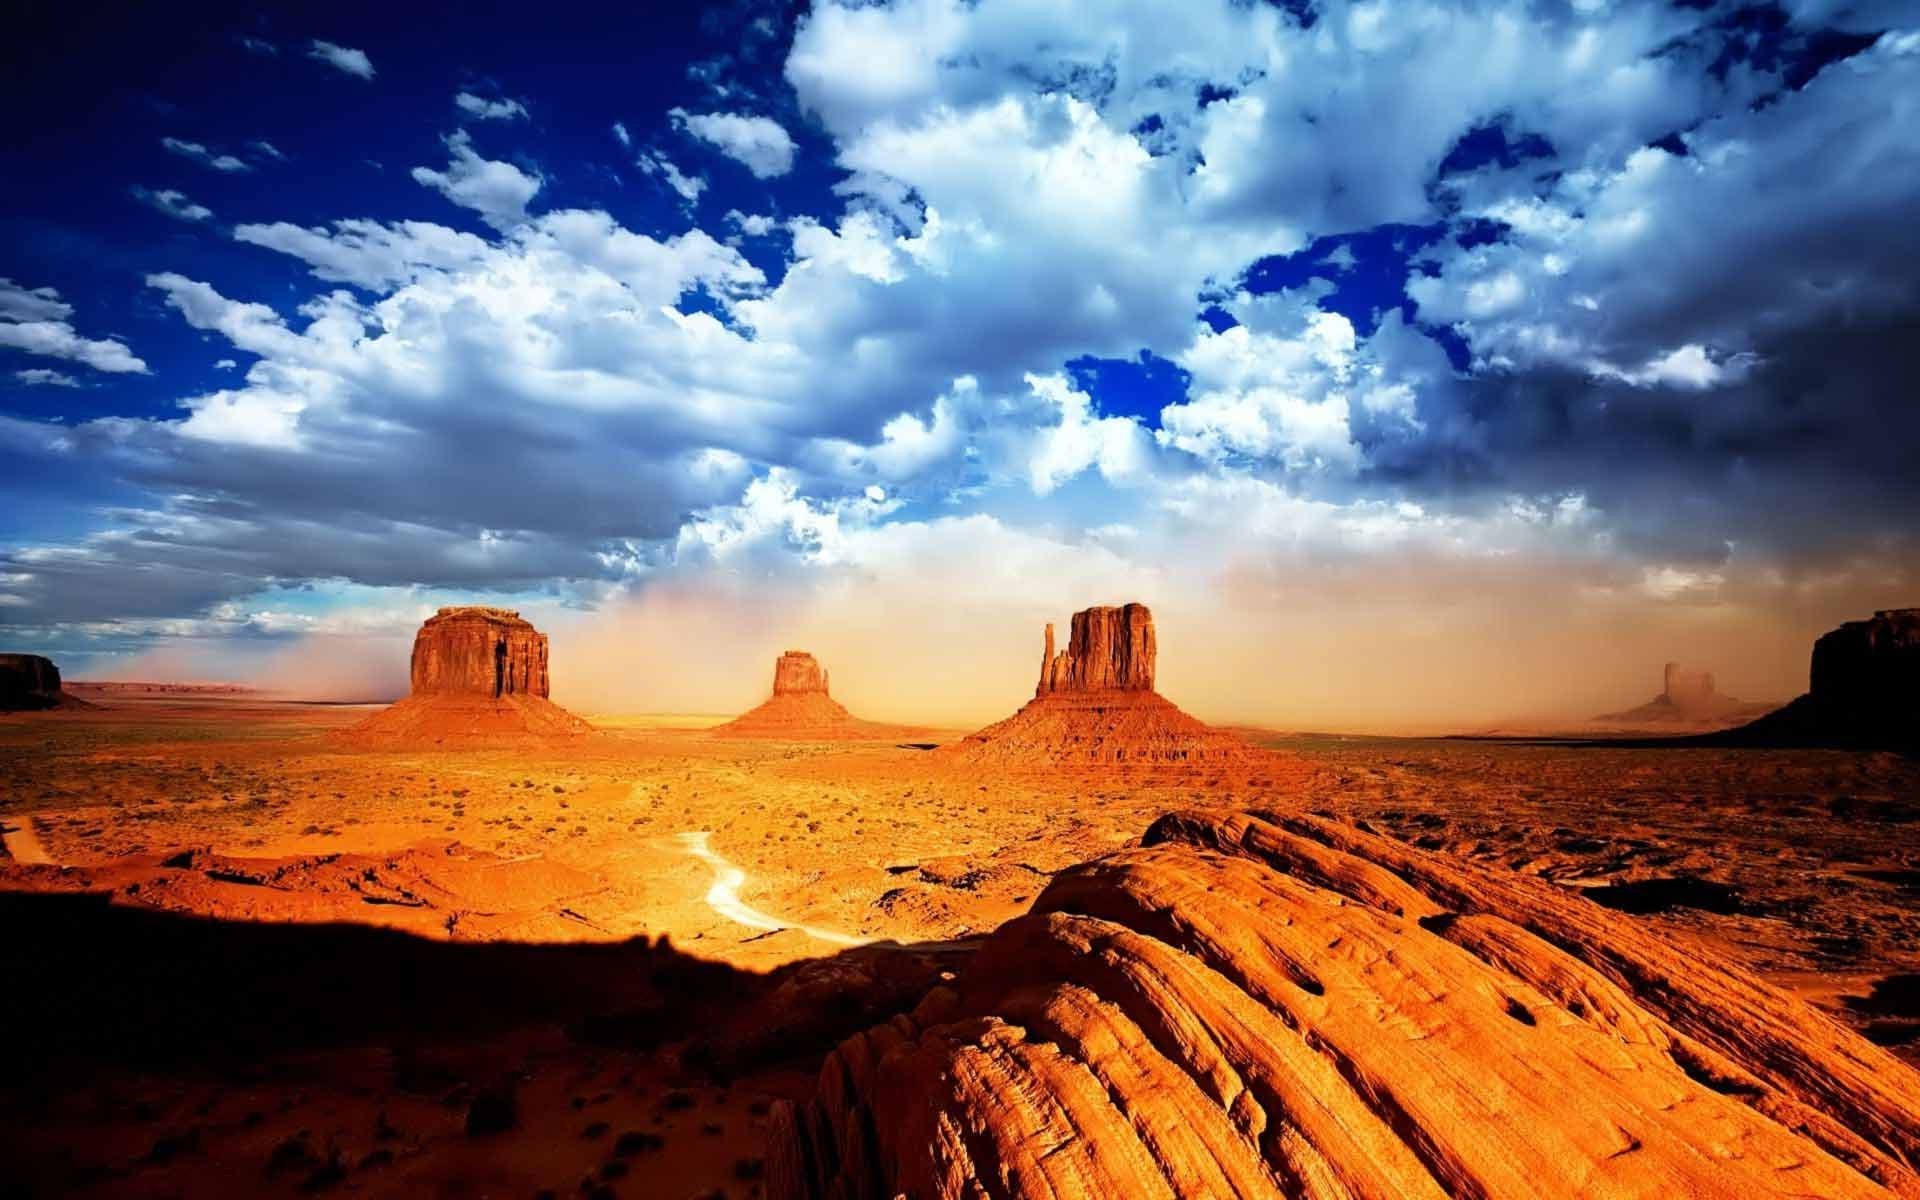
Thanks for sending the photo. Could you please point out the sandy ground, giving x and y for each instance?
(265, 963)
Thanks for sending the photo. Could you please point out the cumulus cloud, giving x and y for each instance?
(503, 109)
(498, 191)
(761, 144)
(200, 154)
(173, 203)
(42, 377)
(687, 187)
(343, 58)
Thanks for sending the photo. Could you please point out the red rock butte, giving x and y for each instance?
(1289, 1006)
(1095, 703)
(479, 678)
(800, 708)
(1863, 690)
(1688, 697)
(30, 682)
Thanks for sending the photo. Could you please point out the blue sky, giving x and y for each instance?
(315, 319)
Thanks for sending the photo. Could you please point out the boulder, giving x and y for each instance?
(30, 682)
(1290, 1006)
(479, 651)
(1095, 703)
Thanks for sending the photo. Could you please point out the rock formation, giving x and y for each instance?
(1095, 703)
(800, 708)
(479, 678)
(481, 652)
(29, 682)
(1864, 690)
(1293, 1007)
(1688, 698)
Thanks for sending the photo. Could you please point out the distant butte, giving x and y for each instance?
(479, 677)
(1688, 697)
(1863, 690)
(1095, 703)
(31, 683)
(800, 708)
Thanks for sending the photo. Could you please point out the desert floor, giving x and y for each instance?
(239, 958)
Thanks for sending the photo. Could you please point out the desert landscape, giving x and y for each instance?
(466, 945)
(960, 600)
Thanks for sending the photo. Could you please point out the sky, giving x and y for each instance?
(1422, 364)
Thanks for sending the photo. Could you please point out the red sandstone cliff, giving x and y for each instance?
(800, 708)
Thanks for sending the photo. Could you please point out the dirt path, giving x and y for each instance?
(23, 844)
(724, 896)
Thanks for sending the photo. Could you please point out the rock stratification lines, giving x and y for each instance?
(1293, 1007)
(1095, 703)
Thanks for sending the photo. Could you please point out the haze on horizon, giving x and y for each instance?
(1423, 366)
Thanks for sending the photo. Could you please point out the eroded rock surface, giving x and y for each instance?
(479, 651)
(1095, 703)
(1295, 1007)
(797, 673)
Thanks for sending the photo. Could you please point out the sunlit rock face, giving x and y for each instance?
(797, 673)
(1290, 1006)
(28, 681)
(1108, 649)
(479, 651)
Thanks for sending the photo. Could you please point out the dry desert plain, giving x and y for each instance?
(246, 954)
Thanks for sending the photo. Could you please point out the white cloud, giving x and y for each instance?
(200, 154)
(225, 364)
(498, 191)
(353, 62)
(688, 187)
(260, 46)
(761, 144)
(42, 377)
(367, 253)
(751, 224)
(174, 204)
(270, 150)
(36, 320)
(620, 133)
(503, 109)
(1117, 446)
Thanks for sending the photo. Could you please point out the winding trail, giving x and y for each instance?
(724, 896)
(23, 844)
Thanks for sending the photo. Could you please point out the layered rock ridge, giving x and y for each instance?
(1096, 703)
(1293, 1007)
(479, 677)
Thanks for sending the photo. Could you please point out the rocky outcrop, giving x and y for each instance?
(1864, 690)
(479, 651)
(1688, 697)
(29, 682)
(801, 710)
(1293, 1007)
(1108, 649)
(797, 673)
(1096, 703)
(479, 679)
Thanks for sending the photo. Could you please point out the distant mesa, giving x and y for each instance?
(479, 678)
(800, 708)
(1095, 703)
(1688, 698)
(1287, 1005)
(31, 683)
(1864, 690)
